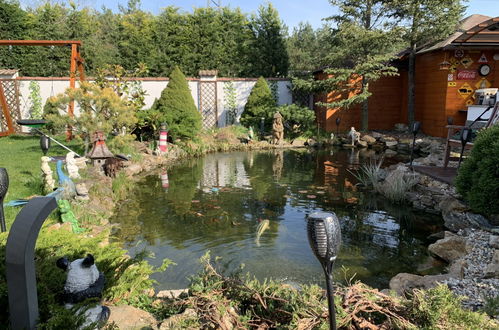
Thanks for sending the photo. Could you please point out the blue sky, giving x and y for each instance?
(291, 11)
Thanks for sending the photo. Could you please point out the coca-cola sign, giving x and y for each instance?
(467, 74)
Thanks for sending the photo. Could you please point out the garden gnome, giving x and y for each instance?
(48, 181)
(71, 165)
(354, 135)
(278, 128)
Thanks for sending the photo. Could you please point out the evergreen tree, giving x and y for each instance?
(260, 104)
(177, 107)
(304, 49)
(364, 42)
(13, 25)
(426, 21)
(267, 50)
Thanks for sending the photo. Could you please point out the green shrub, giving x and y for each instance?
(260, 104)
(478, 178)
(177, 108)
(298, 121)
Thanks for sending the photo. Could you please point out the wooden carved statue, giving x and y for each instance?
(278, 129)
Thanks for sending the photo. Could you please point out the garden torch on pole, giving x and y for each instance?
(324, 236)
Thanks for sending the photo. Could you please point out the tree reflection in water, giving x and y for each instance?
(216, 203)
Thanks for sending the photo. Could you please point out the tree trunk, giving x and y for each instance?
(411, 85)
(365, 108)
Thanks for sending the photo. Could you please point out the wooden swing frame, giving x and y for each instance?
(75, 65)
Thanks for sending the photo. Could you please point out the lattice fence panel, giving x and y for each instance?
(302, 98)
(208, 103)
(3, 121)
(11, 91)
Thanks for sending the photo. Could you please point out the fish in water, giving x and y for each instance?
(260, 229)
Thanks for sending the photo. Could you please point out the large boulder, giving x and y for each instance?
(492, 270)
(129, 318)
(404, 283)
(450, 248)
(456, 217)
(369, 139)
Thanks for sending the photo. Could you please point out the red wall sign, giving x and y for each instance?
(467, 74)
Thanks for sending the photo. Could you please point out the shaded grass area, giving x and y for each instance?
(127, 277)
(20, 155)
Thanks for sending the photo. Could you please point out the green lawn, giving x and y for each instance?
(20, 155)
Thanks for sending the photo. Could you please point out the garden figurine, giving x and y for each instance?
(48, 180)
(84, 281)
(67, 215)
(278, 129)
(71, 165)
(354, 135)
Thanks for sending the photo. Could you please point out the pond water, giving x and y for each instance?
(216, 203)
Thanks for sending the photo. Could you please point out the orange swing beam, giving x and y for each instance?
(75, 64)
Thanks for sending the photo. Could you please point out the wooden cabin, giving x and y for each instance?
(447, 75)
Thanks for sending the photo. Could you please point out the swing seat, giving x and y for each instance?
(33, 123)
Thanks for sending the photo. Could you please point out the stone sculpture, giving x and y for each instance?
(278, 129)
(71, 165)
(84, 281)
(67, 215)
(354, 135)
(48, 180)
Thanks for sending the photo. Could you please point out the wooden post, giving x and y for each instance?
(72, 85)
(6, 112)
(81, 68)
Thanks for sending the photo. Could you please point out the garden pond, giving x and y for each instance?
(215, 203)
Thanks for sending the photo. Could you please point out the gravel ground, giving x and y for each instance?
(474, 287)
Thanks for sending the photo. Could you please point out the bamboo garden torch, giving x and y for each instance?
(324, 236)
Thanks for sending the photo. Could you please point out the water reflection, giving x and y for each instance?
(217, 202)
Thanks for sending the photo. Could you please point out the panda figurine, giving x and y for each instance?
(84, 281)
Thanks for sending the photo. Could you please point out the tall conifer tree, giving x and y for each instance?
(363, 45)
(177, 107)
(426, 21)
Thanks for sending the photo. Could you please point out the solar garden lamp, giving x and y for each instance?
(415, 129)
(163, 138)
(465, 138)
(324, 236)
(262, 126)
(44, 144)
(4, 186)
(338, 120)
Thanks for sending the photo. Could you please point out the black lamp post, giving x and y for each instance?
(4, 186)
(415, 129)
(324, 236)
(44, 144)
(465, 138)
(338, 120)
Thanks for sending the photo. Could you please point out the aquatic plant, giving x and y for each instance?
(396, 185)
(369, 174)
